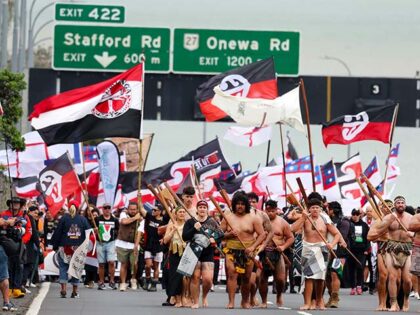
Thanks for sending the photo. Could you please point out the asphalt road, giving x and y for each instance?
(93, 302)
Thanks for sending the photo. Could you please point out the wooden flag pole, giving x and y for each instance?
(225, 196)
(394, 122)
(162, 200)
(306, 213)
(377, 194)
(284, 165)
(305, 101)
(369, 199)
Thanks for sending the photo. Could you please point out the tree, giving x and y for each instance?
(11, 85)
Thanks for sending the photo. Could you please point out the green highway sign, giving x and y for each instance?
(108, 48)
(89, 13)
(214, 51)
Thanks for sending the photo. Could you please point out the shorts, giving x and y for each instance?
(125, 255)
(158, 257)
(4, 270)
(63, 275)
(106, 252)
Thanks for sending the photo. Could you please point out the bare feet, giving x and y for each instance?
(406, 306)
(186, 302)
(279, 301)
(178, 304)
(381, 308)
(263, 305)
(245, 305)
(394, 308)
(255, 302)
(195, 305)
(320, 307)
(305, 307)
(205, 303)
(230, 306)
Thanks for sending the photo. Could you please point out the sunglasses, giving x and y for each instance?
(107, 207)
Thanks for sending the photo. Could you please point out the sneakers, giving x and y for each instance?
(75, 295)
(123, 286)
(101, 286)
(17, 294)
(359, 291)
(112, 286)
(9, 306)
(63, 294)
(353, 291)
(146, 284)
(153, 286)
(90, 285)
(133, 283)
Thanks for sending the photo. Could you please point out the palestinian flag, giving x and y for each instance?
(256, 80)
(372, 124)
(107, 109)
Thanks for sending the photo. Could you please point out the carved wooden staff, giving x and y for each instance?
(377, 194)
(179, 201)
(165, 206)
(369, 199)
(302, 190)
(225, 196)
(304, 212)
(258, 263)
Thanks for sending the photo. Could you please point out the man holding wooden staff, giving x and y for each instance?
(271, 257)
(241, 245)
(397, 252)
(315, 251)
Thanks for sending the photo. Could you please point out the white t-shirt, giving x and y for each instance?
(124, 244)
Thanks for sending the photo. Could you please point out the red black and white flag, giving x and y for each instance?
(58, 181)
(372, 124)
(256, 80)
(107, 109)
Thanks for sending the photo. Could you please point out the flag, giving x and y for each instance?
(111, 108)
(291, 153)
(256, 111)
(58, 181)
(372, 172)
(78, 260)
(329, 182)
(26, 187)
(300, 168)
(248, 136)
(109, 168)
(372, 124)
(36, 155)
(233, 171)
(393, 168)
(256, 80)
(347, 172)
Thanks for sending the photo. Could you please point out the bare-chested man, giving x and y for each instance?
(315, 251)
(272, 260)
(397, 252)
(241, 245)
(256, 272)
(381, 240)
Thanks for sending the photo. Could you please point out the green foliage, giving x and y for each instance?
(11, 85)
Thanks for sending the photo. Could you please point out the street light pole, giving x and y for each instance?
(344, 64)
(31, 36)
(15, 46)
(22, 38)
(4, 30)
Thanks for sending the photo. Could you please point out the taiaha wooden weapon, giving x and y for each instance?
(377, 194)
(165, 206)
(305, 197)
(369, 199)
(305, 213)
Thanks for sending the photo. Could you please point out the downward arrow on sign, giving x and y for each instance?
(105, 59)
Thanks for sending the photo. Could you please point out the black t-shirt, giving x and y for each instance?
(107, 228)
(151, 230)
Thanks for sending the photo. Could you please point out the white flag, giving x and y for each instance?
(248, 136)
(256, 111)
(78, 260)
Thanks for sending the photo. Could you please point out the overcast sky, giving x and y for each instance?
(374, 38)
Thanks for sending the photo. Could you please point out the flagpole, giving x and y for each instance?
(305, 101)
(268, 153)
(139, 202)
(394, 122)
(284, 165)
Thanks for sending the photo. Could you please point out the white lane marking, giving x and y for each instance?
(303, 313)
(283, 308)
(37, 302)
(270, 303)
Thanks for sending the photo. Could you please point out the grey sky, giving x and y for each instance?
(374, 38)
